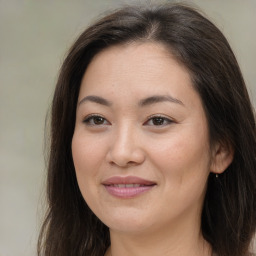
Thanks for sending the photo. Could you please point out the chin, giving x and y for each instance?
(127, 221)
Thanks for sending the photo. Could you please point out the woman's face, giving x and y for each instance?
(141, 144)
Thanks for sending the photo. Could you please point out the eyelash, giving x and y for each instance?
(164, 120)
(93, 117)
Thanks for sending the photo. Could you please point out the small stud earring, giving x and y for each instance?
(217, 175)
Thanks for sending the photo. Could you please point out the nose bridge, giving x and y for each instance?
(125, 147)
(125, 134)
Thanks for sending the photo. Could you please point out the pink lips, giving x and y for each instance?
(127, 187)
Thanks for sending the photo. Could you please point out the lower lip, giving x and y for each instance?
(127, 192)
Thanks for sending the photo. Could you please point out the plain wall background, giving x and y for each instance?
(34, 37)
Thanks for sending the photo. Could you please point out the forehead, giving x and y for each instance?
(136, 56)
(136, 69)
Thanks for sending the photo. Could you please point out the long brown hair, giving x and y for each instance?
(229, 211)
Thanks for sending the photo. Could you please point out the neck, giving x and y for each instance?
(172, 241)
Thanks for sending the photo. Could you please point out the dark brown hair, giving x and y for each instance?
(229, 211)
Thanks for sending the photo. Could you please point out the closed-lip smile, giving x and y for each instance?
(127, 187)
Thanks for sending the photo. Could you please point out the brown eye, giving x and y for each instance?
(96, 120)
(158, 121)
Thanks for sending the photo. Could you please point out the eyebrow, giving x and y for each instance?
(159, 98)
(144, 102)
(95, 99)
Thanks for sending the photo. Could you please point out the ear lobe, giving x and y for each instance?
(222, 157)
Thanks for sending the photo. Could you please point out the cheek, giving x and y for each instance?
(86, 157)
(184, 169)
(183, 159)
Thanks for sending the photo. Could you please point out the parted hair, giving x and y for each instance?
(229, 211)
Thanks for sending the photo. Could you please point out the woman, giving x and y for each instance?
(152, 141)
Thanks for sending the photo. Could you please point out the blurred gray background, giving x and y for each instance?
(34, 37)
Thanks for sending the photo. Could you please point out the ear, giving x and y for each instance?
(222, 157)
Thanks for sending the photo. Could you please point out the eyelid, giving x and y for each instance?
(89, 117)
(168, 119)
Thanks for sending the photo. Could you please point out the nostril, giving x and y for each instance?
(123, 164)
(130, 163)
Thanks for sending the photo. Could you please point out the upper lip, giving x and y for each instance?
(127, 180)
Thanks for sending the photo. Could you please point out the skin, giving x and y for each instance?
(166, 142)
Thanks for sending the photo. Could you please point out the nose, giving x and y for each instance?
(126, 149)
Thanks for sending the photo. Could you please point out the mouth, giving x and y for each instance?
(127, 187)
